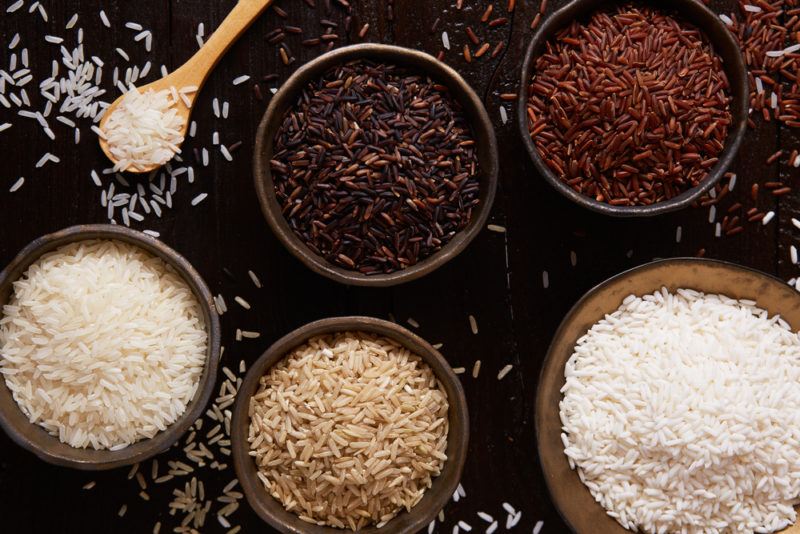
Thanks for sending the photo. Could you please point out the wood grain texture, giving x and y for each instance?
(498, 279)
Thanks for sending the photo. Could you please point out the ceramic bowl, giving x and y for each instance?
(417, 61)
(33, 437)
(572, 499)
(724, 44)
(443, 487)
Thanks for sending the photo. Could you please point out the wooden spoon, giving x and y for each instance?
(195, 71)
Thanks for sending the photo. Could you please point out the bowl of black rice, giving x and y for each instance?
(375, 165)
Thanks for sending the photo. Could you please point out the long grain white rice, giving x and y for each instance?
(681, 413)
(255, 279)
(144, 130)
(102, 344)
(241, 79)
(504, 371)
(17, 184)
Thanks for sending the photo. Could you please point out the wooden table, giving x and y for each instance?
(498, 279)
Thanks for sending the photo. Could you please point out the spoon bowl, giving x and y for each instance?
(194, 72)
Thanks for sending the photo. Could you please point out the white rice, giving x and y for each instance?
(255, 279)
(486, 517)
(102, 344)
(241, 79)
(15, 6)
(144, 130)
(681, 413)
(16, 185)
(504, 371)
(496, 228)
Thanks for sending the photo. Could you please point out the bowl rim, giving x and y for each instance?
(48, 448)
(722, 39)
(436, 497)
(540, 403)
(439, 71)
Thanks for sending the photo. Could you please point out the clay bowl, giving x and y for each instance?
(417, 61)
(572, 499)
(724, 45)
(33, 437)
(443, 487)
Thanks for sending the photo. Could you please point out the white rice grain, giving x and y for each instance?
(131, 306)
(706, 367)
(504, 371)
(17, 184)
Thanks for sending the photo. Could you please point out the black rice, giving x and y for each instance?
(375, 167)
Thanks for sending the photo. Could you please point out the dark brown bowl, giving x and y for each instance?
(36, 439)
(443, 487)
(414, 59)
(572, 499)
(725, 46)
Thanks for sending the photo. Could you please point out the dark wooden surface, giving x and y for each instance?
(498, 279)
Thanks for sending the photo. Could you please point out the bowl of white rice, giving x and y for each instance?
(350, 423)
(109, 345)
(669, 401)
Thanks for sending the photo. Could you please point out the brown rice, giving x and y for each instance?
(348, 430)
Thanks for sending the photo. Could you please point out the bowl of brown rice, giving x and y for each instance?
(350, 423)
(109, 344)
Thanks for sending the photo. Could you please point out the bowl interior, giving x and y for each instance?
(413, 59)
(443, 486)
(724, 45)
(571, 497)
(49, 448)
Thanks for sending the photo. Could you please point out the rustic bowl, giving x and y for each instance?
(572, 499)
(270, 510)
(724, 44)
(419, 61)
(49, 448)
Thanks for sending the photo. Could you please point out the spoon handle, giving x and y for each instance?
(196, 70)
